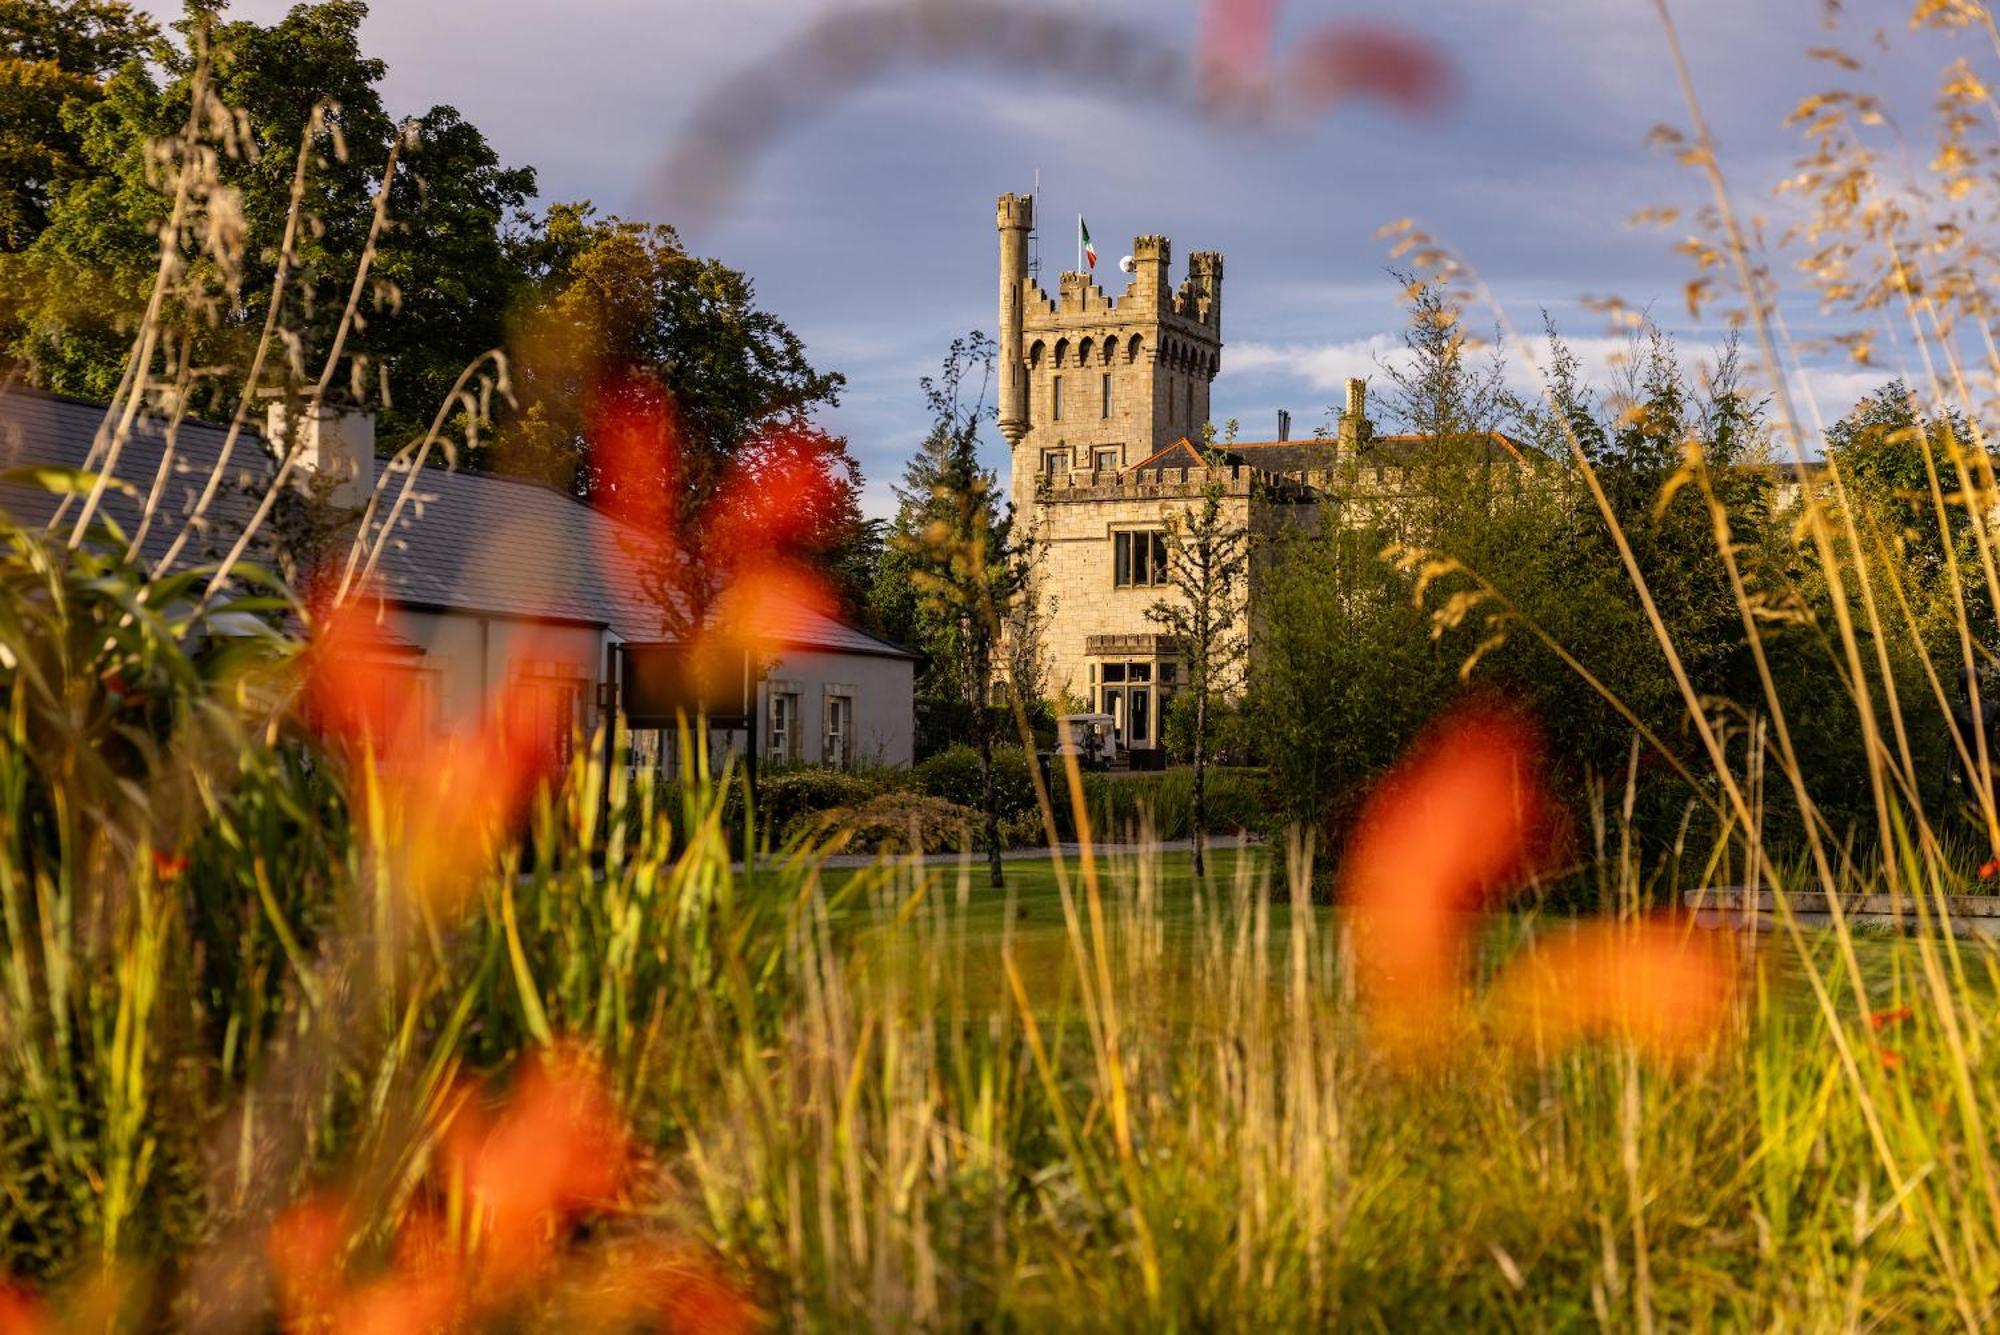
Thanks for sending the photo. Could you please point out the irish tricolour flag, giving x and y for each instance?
(1084, 245)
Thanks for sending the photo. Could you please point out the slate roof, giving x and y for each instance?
(49, 429)
(1287, 456)
(462, 542)
(1294, 456)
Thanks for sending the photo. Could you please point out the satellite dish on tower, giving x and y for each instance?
(1128, 265)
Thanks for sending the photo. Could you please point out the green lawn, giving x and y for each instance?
(969, 916)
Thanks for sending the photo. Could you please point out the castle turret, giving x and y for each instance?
(1016, 219)
(1092, 383)
(1205, 284)
(1355, 428)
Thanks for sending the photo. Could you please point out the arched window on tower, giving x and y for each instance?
(1132, 349)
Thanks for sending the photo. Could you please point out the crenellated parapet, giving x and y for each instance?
(1238, 480)
(1091, 378)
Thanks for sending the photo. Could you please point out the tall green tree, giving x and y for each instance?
(55, 56)
(651, 382)
(1208, 557)
(958, 543)
(442, 281)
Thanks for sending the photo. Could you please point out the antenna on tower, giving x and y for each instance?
(1035, 233)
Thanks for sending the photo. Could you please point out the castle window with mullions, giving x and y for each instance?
(1139, 559)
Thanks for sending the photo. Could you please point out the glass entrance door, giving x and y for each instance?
(1127, 695)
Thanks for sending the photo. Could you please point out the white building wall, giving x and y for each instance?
(471, 662)
(883, 691)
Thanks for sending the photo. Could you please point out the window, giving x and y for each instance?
(1138, 560)
(1107, 461)
(542, 712)
(1055, 463)
(782, 745)
(1105, 409)
(839, 749)
(1189, 419)
(388, 702)
(1055, 399)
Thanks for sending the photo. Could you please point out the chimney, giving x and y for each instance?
(1284, 425)
(332, 442)
(1355, 428)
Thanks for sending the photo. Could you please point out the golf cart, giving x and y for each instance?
(1091, 738)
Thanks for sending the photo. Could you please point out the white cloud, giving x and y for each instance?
(1321, 366)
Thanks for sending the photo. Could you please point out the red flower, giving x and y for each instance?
(1891, 1059)
(168, 866)
(1989, 869)
(1883, 1019)
(22, 1313)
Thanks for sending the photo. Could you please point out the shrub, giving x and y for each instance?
(894, 822)
(1121, 804)
(785, 796)
(954, 776)
(1231, 739)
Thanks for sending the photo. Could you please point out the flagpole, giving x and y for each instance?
(1079, 243)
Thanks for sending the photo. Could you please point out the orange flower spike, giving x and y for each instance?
(469, 791)
(559, 1148)
(677, 1288)
(1653, 984)
(1879, 1020)
(402, 1305)
(1452, 828)
(304, 1246)
(348, 680)
(759, 610)
(23, 1312)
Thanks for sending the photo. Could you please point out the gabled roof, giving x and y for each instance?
(1180, 454)
(462, 542)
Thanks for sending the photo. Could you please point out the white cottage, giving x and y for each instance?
(503, 592)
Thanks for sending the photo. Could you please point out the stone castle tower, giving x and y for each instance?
(1091, 383)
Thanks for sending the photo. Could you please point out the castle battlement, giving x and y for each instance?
(1092, 380)
(1238, 480)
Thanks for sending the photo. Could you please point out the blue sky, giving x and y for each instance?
(868, 225)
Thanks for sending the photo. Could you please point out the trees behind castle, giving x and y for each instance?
(951, 571)
(1522, 582)
(1208, 558)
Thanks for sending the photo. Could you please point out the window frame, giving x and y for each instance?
(1104, 408)
(840, 740)
(1055, 398)
(1139, 558)
(781, 740)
